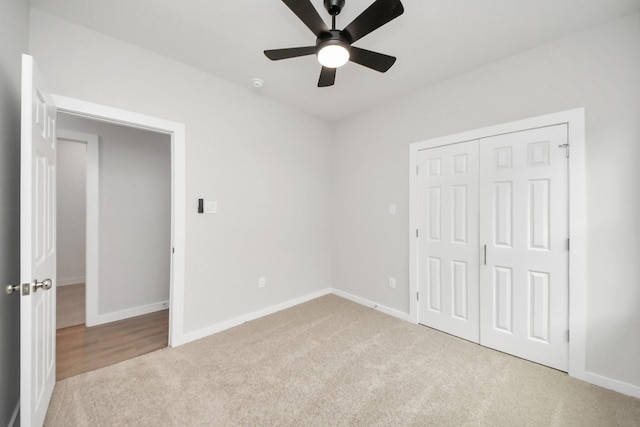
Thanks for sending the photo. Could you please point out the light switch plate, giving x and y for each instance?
(210, 207)
(392, 209)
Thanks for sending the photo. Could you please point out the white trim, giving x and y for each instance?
(611, 384)
(575, 121)
(14, 416)
(70, 281)
(367, 303)
(178, 187)
(236, 321)
(130, 312)
(92, 230)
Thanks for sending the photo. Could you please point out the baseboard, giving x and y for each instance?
(610, 383)
(227, 324)
(381, 308)
(71, 281)
(14, 416)
(125, 314)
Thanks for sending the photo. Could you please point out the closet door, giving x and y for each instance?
(524, 227)
(448, 239)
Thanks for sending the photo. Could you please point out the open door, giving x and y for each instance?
(37, 248)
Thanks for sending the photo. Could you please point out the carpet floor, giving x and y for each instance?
(331, 362)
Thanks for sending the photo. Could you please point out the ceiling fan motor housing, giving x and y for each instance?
(334, 6)
(333, 37)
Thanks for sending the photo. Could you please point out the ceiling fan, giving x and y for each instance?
(334, 47)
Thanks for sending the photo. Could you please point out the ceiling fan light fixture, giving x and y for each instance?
(333, 55)
(333, 47)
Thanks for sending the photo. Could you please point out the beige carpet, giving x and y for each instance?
(332, 362)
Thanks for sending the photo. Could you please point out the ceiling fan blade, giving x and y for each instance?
(327, 77)
(374, 17)
(292, 52)
(374, 60)
(308, 15)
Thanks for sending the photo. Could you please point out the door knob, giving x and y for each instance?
(10, 289)
(44, 285)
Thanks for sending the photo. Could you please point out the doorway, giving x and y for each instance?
(128, 242)
(176, 132)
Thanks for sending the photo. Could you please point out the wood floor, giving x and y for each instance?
(70, 305)
(80, 349)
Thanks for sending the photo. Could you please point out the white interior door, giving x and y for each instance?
(524, 225)
(448, 239)
(37, 248)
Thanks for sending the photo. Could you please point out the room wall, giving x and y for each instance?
(265, 164)
(597, 69)
(71, 187)
(14, 25)
(134, 214)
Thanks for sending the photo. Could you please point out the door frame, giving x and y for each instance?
(575, 121)
(176, 131)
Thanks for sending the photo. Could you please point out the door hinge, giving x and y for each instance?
(417, 296)
(416, 233)
(568, 244)
(568, 335)
(566, 146)
(417, 170)
(173, 250)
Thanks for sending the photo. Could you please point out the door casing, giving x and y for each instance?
(178, 186)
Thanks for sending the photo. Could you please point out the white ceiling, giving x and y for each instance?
(433, 40)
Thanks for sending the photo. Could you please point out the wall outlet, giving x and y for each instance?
(262, 282)
(392, 209)
(392, 282)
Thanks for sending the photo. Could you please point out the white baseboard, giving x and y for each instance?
(71, 281)
(381, 308)
(14, 416)
(227, 324)
(125, 314)
(610, 383)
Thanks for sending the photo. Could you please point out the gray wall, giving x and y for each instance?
(71, 188)
(265, 164)
(134, 214)
(14, 25)
(597, 69)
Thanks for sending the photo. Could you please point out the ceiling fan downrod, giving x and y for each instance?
(334, 7)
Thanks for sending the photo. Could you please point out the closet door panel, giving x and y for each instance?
(524, 225)
(448, 239)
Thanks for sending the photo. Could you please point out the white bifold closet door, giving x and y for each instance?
(524, 300)
(448, 239)
(493, 242)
